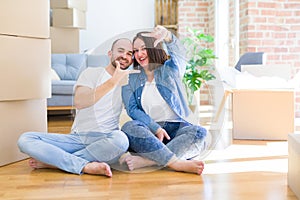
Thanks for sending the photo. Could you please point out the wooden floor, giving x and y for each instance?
(239, 170)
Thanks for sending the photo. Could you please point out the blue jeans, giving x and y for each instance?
(187, 141)
(71, 152)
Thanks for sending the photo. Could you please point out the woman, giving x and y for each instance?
(160, 132)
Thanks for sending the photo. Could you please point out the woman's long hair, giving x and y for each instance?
(156, 55)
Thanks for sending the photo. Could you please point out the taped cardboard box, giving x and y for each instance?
(17, 117)
(68, 18)
(78, 4)
(28, 18)
(25, 68)
(65, 40)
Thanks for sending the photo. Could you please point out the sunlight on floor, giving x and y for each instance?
(271, 157)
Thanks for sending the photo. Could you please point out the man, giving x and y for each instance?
(95, 140)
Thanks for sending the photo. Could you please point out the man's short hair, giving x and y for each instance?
(117, 40)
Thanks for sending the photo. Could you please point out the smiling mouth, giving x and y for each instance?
(122, 61)
(142, 59)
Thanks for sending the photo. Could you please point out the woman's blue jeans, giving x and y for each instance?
(71, 152)
(187, 141)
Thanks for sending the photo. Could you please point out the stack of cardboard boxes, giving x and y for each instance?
(25, 72)
(68, 18)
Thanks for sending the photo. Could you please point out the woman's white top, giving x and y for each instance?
(154, 105)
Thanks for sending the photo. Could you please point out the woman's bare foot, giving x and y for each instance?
(190, 166)
(136, 162)
(38, 165)
(97, 168)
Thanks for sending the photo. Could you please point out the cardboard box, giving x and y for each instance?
(17, 117)
(24, 68)
(65, 40)
(78, 4)
(294, 163)
(263, 114)
(69, 18)
(28, 18)
(259, 111)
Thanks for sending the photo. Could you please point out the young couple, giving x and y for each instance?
(159, 133)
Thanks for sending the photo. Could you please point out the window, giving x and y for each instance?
(222, 31)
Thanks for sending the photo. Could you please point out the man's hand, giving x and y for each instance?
(160, 33)
(161, 134)
(120, 76)
(85, 96)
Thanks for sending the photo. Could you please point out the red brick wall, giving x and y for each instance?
(271, 26)
(274, 28)
(197, 14)
(194, 14)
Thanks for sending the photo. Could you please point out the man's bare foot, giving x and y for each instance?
(136, 162)
(38, 165)
(190, 166)
(123, 157)
(98, 168)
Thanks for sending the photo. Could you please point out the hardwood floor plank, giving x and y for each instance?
(241, 170)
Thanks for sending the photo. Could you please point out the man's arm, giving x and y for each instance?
(85, 97)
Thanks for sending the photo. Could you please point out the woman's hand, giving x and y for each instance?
(161, 134)
(160, 33)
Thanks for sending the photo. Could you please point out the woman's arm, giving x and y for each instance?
(174, 47)
(177, 53)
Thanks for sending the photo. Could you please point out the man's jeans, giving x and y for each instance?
(71, 152)
(186, 141)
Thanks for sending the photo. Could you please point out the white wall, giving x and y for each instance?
(108, 19)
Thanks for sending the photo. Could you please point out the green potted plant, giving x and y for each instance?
(201, 58)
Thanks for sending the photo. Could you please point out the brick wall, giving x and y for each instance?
(192, 13)
(197, 14)
(274, 28)
(271, 26)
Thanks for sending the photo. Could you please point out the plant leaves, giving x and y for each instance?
(200, 57)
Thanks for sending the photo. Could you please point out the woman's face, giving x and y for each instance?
(140, 52)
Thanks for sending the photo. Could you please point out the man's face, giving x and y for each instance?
(122, 52)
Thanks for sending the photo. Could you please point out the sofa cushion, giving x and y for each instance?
(60, 100)
(97, 60)
(94, 60)
(64, 87)
(68, 66)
